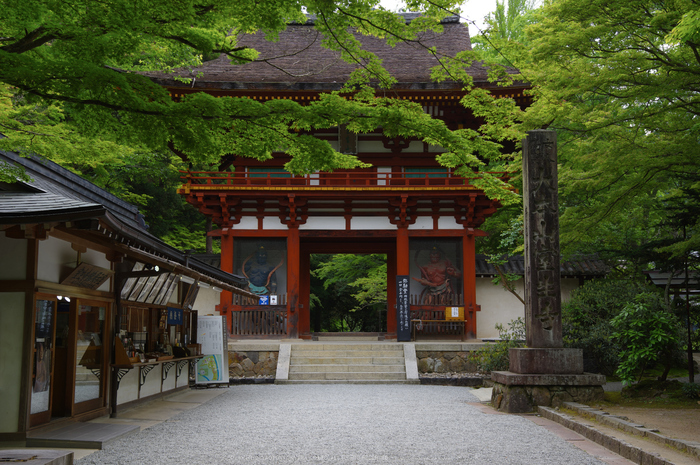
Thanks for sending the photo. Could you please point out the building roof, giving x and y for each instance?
(54, 194)
(297, 61)
(580, 267)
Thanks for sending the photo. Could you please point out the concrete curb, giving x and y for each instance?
(690, 447)
(615, 445)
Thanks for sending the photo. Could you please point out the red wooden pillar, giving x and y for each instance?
(304, 295)
(469, 277)
(293, 282)
(402, 269)
(226, 298)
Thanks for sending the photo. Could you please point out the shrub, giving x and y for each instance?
(691, 390)
(646, 334)
(586, 320)
(494, 357)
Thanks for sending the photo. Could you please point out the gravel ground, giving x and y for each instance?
(342, 424)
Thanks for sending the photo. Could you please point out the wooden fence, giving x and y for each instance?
(264, 322)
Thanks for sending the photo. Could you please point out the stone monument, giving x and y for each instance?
(544, 372)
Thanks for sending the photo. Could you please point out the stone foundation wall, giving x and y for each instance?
(252, 364)
(444, 362)
(523, 399)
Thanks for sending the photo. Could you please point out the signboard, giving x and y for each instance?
(454, 313)
(403, 309)
(174, 316)
(87, 276)
(264, 300)
(212, 335)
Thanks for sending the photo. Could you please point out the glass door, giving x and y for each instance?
(90, 355)
(43, 360)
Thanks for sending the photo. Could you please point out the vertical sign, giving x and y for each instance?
(403, 310)
(211, 334)
(541, 229)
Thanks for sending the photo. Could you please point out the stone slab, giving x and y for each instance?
(37, 456)
(546, 361)
(520, 379)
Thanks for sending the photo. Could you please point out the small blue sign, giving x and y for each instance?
(264, 300)
(174, 316)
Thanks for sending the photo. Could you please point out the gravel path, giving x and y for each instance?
(342, 424)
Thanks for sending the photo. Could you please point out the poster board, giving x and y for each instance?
(213, 337)
(454, 313)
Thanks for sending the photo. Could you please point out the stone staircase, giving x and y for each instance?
(347, 363)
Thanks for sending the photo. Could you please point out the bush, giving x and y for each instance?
(691, 390)
(647, 335)
(586, 320)
(494, 357)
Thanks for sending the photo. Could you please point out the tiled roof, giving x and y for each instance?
(298, 61)
(56, 194)
(587, 266)
(50, 178)
(15, 205)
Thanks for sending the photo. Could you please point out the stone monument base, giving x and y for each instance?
(522, 393)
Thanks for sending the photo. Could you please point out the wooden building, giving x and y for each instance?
(79, 273)
(420, 214)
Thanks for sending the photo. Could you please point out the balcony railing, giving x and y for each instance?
(340, 179)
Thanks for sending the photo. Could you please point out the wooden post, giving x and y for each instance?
(469, 280)
(293, 283)
(226, 265)
(403, 267)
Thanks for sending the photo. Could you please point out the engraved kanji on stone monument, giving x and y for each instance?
(542, 269)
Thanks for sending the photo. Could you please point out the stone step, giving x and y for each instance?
(347, 368)
(345, 353)
(365, 347)
(344, 376)
(318, 360)
(348, 381)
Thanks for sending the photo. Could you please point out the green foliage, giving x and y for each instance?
(75, 73)
(646, 335)
(349, 292)
(494, 356)
(586, 318)
(691, 390)
(609, 77)
(505, 30)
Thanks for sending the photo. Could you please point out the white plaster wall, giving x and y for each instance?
(448, 222)
(422, 222)
(371, 222)
(11, 348)
(207, 300)
(184, 378)
(272, 223)
(247, 222)
(129, 387)
(56, 258)
(497, 306)
(500, 306)
(169, 382)
(152, 384)
(384, 173)
(370, 146)
(567, 287)
(335, 223)
(14, 252)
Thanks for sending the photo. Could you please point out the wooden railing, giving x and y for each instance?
(269, 322)
(343, 179)
(445, 300)
(432, 323)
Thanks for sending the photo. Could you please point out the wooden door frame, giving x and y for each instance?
(44, 417)
(317, 245)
